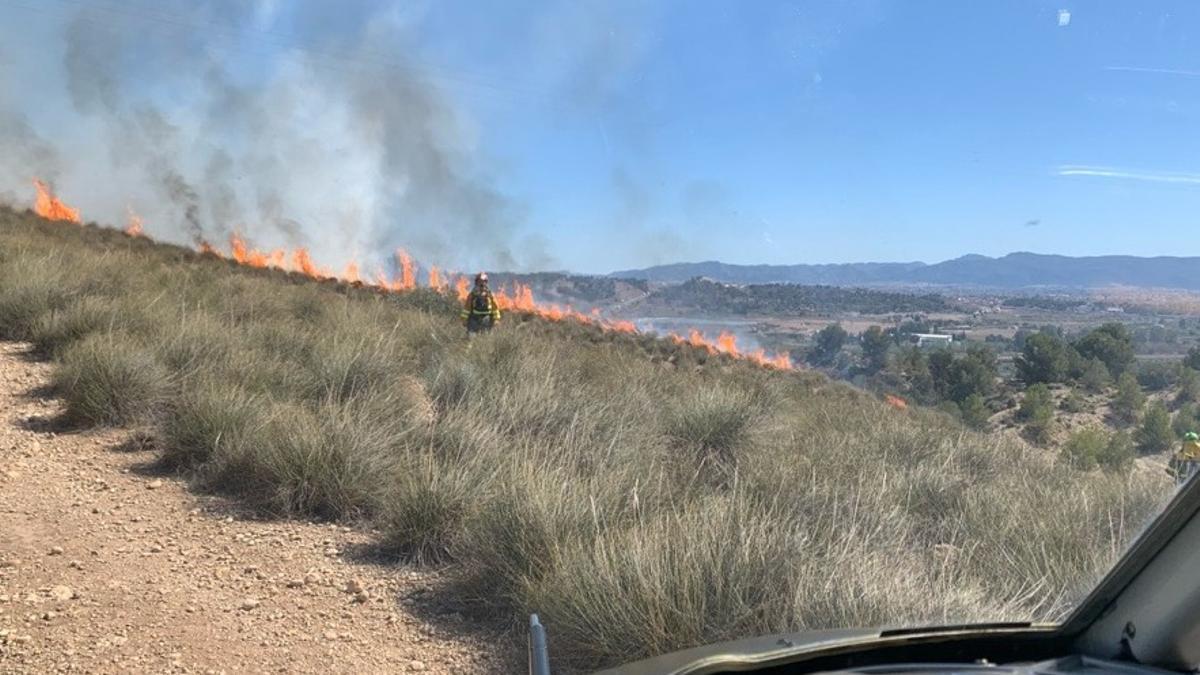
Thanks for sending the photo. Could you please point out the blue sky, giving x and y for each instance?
(626, 134)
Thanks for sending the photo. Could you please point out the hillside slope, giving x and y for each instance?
(640, 495)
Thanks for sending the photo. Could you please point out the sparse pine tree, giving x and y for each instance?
(1095, 376)
(1192, 360)
(1127, 404)
(1185, 420)
(1189, 385)
(827, 343)
(875, 345)
(1155, 434)
(975, 412)
(1037, 411)
(1118, 453)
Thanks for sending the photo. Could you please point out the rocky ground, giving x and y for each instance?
(107, 566)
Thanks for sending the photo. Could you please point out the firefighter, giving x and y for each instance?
(1187, 460)
(480, 312)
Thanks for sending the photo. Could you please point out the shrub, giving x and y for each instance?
(29, 289)
(1157, 375)
(975, 413)
(108, 380)
(1189, 386)
(1074, 402)
(713, 426)
(1186, 419)
(1037, 411)
(1128, 403)
(1155, 434)
(1095, 376)
(1092, 447)
(426, 503)
(206, 416)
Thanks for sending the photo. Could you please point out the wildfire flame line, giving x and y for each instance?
(47, 205)
(518, 297)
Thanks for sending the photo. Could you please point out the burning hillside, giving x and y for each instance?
(516, 297)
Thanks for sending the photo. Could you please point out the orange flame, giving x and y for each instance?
(408, 272)
(49, 207)
(304, 264)
(134, 227)
(519, 299)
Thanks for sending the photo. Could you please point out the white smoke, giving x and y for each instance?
(342, 146)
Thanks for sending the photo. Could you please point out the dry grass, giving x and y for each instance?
(640, 503)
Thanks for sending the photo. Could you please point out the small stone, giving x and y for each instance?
(361, 597)
(416, 666)
(295, 583)
(249, 603)
(154, 484)
(56, 550)
(330, 635)
(354, 586)
(62, 593)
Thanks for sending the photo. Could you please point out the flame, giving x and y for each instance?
(134, 227)
(408, 272)
(49, 207)
(303, 263)
(518, 297)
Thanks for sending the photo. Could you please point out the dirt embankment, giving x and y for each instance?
(106, 566)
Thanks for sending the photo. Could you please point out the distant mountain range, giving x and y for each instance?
(1015, 270)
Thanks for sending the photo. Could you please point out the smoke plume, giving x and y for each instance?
(207, 124)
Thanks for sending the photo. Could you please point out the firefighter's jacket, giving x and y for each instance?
(480, 304)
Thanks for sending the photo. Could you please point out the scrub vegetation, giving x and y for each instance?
(641, 496)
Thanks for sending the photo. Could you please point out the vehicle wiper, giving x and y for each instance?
(539, 654)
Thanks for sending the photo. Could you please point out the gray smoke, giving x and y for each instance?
(342, 146)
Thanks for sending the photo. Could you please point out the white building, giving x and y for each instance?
(932, 339)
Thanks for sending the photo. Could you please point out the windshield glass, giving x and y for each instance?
(671, 322)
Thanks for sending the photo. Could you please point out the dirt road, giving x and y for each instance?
(106, 567)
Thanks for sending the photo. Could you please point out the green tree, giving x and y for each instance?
(1083, 449)
(1185, 420)
(912, 367)
(1111, 343)
(1127, 404)
(875, 345)
(1157, 375)
(972, 374)
(828, 342)
(1095, 376)
(1043, 359)
(1189, 386)
(975, 412)
(1192, 360)
(1037, 412)
(1155, 434)
(1118, 453)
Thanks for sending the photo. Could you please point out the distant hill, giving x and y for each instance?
(1015, 270)
(702, 296)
